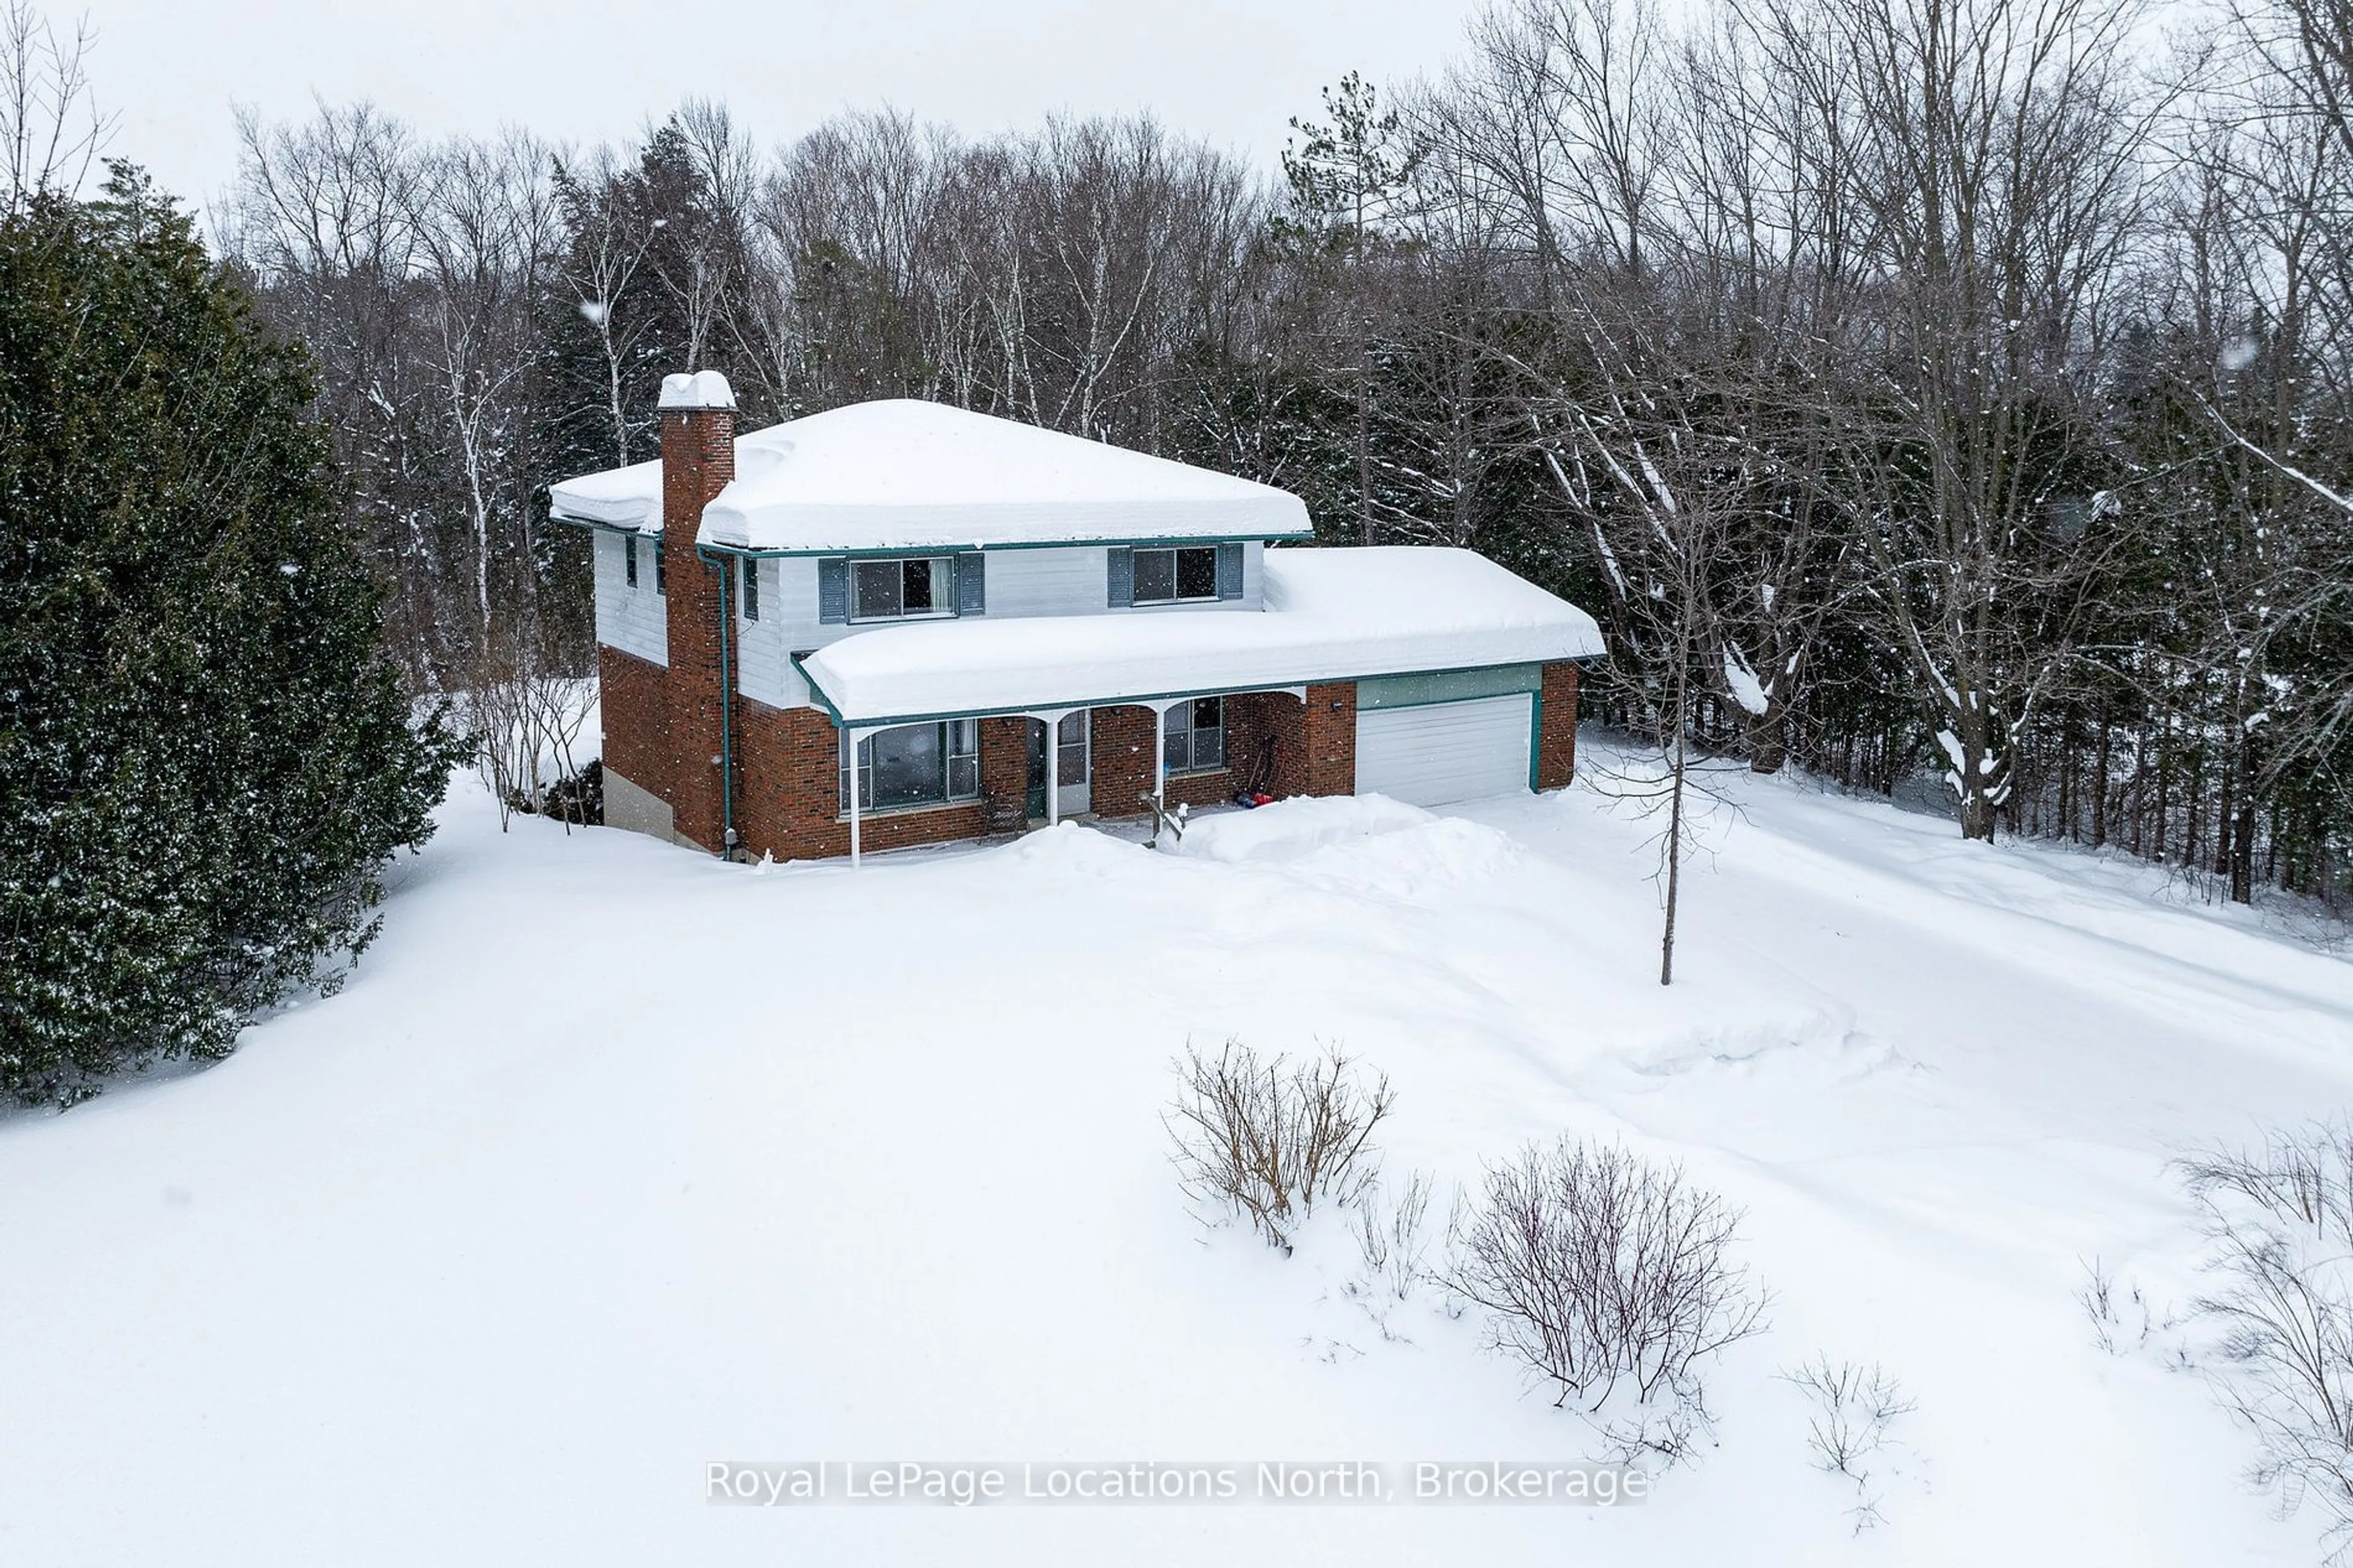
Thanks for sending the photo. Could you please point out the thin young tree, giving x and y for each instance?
(1346, 176)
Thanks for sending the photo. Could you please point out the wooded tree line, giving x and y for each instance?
(1945, 386)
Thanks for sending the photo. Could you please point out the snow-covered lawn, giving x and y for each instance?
(612, 1161)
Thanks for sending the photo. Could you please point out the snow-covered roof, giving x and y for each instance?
(1331, 615)
(903, 475)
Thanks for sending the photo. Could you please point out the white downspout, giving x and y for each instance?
(1159, 760)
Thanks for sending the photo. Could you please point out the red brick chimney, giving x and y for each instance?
(698, 459)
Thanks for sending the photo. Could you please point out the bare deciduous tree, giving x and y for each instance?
(51, 130)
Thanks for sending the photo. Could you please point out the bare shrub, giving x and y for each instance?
(1268, 1139)
(1596, 1267)
(2280, 1222)
(2123, 1317)
(1854, 1406)
(1392, 1247)
(525, 716)
(2097, 1297)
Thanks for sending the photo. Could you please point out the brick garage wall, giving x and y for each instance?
(1556, 728)
(634, 712)
(1325, 759)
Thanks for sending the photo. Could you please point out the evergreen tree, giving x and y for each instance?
(205, 758)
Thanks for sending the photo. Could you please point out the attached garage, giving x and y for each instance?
(1433, 739)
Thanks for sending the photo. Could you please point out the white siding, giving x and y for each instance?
(1074, 582)
(635, 620)
(788, 626)
(1021, 582)
(764, 665)
(1445, 751)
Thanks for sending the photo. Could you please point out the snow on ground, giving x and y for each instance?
(613, 1161)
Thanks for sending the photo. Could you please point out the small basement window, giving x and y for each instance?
(1195, 736)
(1176, 576)
(918, 764)
(902, 590)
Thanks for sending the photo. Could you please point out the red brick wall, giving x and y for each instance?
(1123, 761)
(788, 787)
(1005, 758)
(1326, 754)
(787, 779)
(1282, 715)
(635, 714)
(697, 457)
(1315, 750)
(1556, 728)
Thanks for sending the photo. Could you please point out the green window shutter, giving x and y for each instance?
(971, 583)
(832, 592)
(1122, 577)
(1230, 570)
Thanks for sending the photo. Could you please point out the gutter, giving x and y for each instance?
(962, 547)
(1141, 699)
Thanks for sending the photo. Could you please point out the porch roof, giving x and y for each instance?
(1331, 615)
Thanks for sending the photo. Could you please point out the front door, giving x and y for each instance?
(1073, 767)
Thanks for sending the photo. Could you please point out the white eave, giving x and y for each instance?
(1331, 615)
(908, 475)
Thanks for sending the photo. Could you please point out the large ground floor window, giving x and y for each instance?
(1195, 736)
(919, 764)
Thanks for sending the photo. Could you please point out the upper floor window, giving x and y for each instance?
(629, 559)
(751, 590)
(1176, 576)
(902, 590)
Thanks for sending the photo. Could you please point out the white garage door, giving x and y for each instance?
(1445, 751)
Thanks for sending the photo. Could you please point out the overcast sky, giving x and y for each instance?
(584, 70)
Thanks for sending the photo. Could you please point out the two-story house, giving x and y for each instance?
(895, 623)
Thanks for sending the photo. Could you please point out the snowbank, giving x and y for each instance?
(612, 1161)
(1290, 829)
